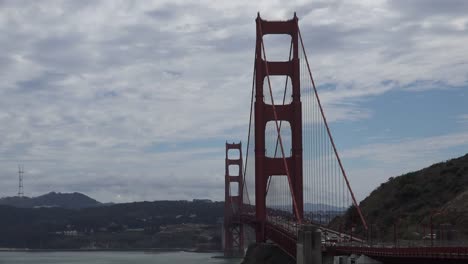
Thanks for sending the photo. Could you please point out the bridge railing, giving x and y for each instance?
(283, 220)
(422, 252)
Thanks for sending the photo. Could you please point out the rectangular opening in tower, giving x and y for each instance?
(277, 47)
(272, 143)
(234, 170)
(281, 88)
(233, 154)
(234, 188)
(279, 198)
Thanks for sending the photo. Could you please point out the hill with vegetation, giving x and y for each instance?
(159, 224)
(407, 202)
(53, 199)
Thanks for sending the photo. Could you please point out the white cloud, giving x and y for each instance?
(87, 87)
(407, 150)
(395, 157)
(463, 119)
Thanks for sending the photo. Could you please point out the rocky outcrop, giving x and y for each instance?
(265, 253)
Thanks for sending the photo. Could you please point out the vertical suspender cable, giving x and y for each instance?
(331, 139)
(248, 136)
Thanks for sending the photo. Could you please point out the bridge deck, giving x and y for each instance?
(445, 253)
(284, 234)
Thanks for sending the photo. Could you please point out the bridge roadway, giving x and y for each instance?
(406, 254)
(279, 228)
(283, 232)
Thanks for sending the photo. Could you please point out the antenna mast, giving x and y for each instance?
(20, 181)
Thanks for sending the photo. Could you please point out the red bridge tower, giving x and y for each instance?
(233, 229)
(291, 166)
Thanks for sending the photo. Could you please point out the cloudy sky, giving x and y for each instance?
(133, 100)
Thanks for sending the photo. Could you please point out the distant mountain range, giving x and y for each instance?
(78, 200)
(53, 199)
(312, 207)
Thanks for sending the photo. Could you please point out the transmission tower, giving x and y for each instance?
(20, 181)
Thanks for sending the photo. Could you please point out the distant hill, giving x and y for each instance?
(64, 200)
(125, 225)
(312, 207)
(411, 198)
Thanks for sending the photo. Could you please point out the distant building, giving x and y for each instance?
(134, 230)
(70, 233)
(44, 206)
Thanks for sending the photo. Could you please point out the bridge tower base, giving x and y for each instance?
(309, 245)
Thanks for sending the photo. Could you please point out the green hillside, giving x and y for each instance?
(408, 201)
(53, 199)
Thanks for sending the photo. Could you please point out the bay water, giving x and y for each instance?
(114, 257)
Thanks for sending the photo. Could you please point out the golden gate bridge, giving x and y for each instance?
(293, 181)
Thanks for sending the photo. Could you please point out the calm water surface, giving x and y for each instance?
(112, 258)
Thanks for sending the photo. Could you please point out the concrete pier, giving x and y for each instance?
(354, 259)
(309, 245)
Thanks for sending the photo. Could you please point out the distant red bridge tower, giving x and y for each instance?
(233, 229)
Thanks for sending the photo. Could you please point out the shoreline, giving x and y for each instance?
(158, 250)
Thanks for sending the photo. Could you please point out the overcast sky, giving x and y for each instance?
(133, 100)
